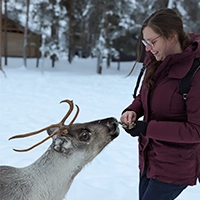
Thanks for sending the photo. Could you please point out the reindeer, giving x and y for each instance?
(50, 176)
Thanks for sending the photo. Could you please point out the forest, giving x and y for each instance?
(96, 28)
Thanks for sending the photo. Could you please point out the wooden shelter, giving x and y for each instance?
(15, 40)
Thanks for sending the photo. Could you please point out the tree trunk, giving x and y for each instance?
(0, 33)
(70, 57)
(1, 38)
(26, 32)
(170, 3)
(99, 63)
(108, 60)
(53, 58)
(118, 65)
(5, 35)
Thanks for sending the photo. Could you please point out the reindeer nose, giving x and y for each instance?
(112, 124)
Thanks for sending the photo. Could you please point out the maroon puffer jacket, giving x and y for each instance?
(170, 151)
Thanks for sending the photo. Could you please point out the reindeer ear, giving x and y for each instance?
(51, 130)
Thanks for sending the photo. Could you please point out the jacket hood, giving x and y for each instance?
(180, 63)
(196, 41)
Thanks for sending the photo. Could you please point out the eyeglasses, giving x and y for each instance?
(148, 42)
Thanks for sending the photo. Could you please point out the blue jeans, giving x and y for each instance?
(152, 189)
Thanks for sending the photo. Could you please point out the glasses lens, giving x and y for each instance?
(144, 42)
(147, 43)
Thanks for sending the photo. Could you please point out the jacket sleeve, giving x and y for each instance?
(136, 106)
(181, 132)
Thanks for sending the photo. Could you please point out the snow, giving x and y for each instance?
(30, 100)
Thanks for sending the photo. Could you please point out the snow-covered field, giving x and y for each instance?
(29, 100)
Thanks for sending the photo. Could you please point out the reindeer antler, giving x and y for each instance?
(61, 127)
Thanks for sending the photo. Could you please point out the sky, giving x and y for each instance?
(30, 100)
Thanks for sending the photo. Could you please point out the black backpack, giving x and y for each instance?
(184, 85)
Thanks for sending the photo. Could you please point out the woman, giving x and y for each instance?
(169, 135)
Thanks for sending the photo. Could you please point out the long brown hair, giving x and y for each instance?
(164, 22)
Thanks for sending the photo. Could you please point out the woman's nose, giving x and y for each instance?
(148, 47)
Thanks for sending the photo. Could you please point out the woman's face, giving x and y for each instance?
(159, 46)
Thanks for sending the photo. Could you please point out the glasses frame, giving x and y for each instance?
(148, 42)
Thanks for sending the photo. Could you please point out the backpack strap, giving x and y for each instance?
(184, 85)
(138, 81)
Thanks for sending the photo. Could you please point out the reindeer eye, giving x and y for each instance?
(84, 135)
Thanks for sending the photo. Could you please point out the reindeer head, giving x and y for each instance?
(77, 136)
(86, 140)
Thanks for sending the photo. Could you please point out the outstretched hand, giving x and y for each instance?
(128, 117)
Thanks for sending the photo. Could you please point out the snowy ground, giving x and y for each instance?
(29, 100)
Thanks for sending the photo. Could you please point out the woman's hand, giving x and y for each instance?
(128, 117)
(138, 128)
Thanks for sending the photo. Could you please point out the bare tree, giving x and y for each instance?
(26, 32)
(0, 33)
(1, 38)
(170, 3)
(5, 34)
(70, 54)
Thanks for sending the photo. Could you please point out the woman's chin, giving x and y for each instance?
(158, 58)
